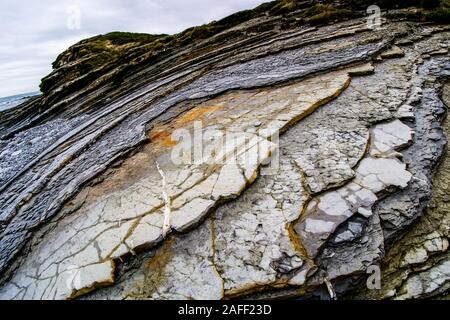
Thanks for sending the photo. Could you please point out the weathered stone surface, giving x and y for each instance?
(417, 267)
(128, 217)
(256, 249)
(198, 211)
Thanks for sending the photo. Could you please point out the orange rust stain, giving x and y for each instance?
(161, 135)
(197, 113)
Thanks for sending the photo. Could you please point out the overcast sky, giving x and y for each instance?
(33, 32)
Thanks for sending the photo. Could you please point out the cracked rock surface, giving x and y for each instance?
(261, 168)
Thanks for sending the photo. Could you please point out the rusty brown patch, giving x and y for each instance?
(198, 113)
(161, 136)
(154, 271)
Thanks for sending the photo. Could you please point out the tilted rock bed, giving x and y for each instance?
(93, 205)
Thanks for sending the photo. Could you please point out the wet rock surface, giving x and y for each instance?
(118, 202)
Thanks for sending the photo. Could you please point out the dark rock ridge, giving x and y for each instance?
(90, 198)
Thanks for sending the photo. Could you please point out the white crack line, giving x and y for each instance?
(167, 202)
(330, 288)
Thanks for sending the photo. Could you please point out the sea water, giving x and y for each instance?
(12, 101)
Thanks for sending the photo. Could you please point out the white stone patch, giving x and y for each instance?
(378, 171)
(101, 273)
(383, 172)
(333, 204)
(405, 111)
(415, 256)
(300, 278)
(318, 226)
(388, 137)
(365, 212)
(191, 213)
(148, 232)
(231, 182)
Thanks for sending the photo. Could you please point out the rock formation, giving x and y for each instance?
(337, 163)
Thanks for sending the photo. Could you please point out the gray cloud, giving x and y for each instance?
(35, 32)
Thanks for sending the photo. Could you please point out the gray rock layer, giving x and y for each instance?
(92, 204)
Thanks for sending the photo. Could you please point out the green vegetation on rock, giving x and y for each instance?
(90, 59)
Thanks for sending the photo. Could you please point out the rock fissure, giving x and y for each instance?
(359, 141)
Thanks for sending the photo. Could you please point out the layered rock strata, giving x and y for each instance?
(179, 188)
